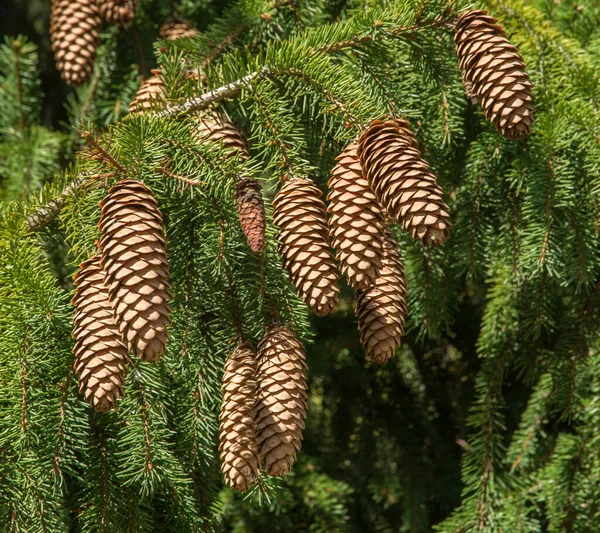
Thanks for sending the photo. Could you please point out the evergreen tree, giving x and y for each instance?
(169, 213)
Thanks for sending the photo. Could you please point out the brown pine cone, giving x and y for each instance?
(251, 212)
(282, 401)
(300, 217)
(381, 309)
(119, 12)
(74, 32)
(149, 95)
(99, 351)
(215, 126)
(178, 28)
(134, 258)
(355, 221)
(402, 181)
(494, 72)
(239, 452)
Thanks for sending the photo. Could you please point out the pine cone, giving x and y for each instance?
(251, 211)
(137, 271)
(494, 72)
(178, 28)
(119, 12)
(282, 401)
(239, 452)
(149, 94)
(74, 32)
(381, 309)
(99, 351)
(215, 126)
(355, 221)
(402, 181)
(300, 217)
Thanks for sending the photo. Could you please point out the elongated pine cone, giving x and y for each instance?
(355, 221)
(99, 351)
(151, 93)
(282, 400)
(75, 35)
(251, 212)
(178, 28)
(381, 309)
(303, 244)
(134, 258)
(215, 126)
(239, 452)
(402, 181)
(119, 12)
(494, 72)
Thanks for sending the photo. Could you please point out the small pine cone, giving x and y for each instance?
(150, 93)
(239, 452)
(381, 309)
(402, 181)
(119, 12)
(216, 127)
(99, 351)
(494, 72)
(178, 28)
(134, 258)
(355, 221)
(300, 217)
(282, 401)
(251, 211)
(75, 35)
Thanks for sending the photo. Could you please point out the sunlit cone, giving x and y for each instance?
(303, 237)
(74, 33)
(137, 271)
(178, 28)
(149, 95)
(381, 309)
(494, 73)
(282, 400)
(355, 221)
(119, 12)
(99, 351)
(402, 181)
(239, 452)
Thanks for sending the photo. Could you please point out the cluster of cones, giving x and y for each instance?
(122, 294)
(264, 408)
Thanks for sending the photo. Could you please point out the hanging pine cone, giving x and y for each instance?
(137, 271)
(402, 181)
(149, 94)
(239, 452)
(251, 211)
(99, 351)
(282, 401)
(300, 217)
(178, 28)
(355, 221)
(381, 309)
(74, 32)
(215, 126)
(119, 12)
(494, 73)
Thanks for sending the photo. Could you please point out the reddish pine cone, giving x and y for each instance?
(300, 217)
(74, 33)
(178, 28)
(99, 351)
(494, 72)
(149, 95)
(402, 181)
(239, 452)
(134, 258)
(251, 212)
(119, 12)
(355, 221)
(282, 401)
(381, 309)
